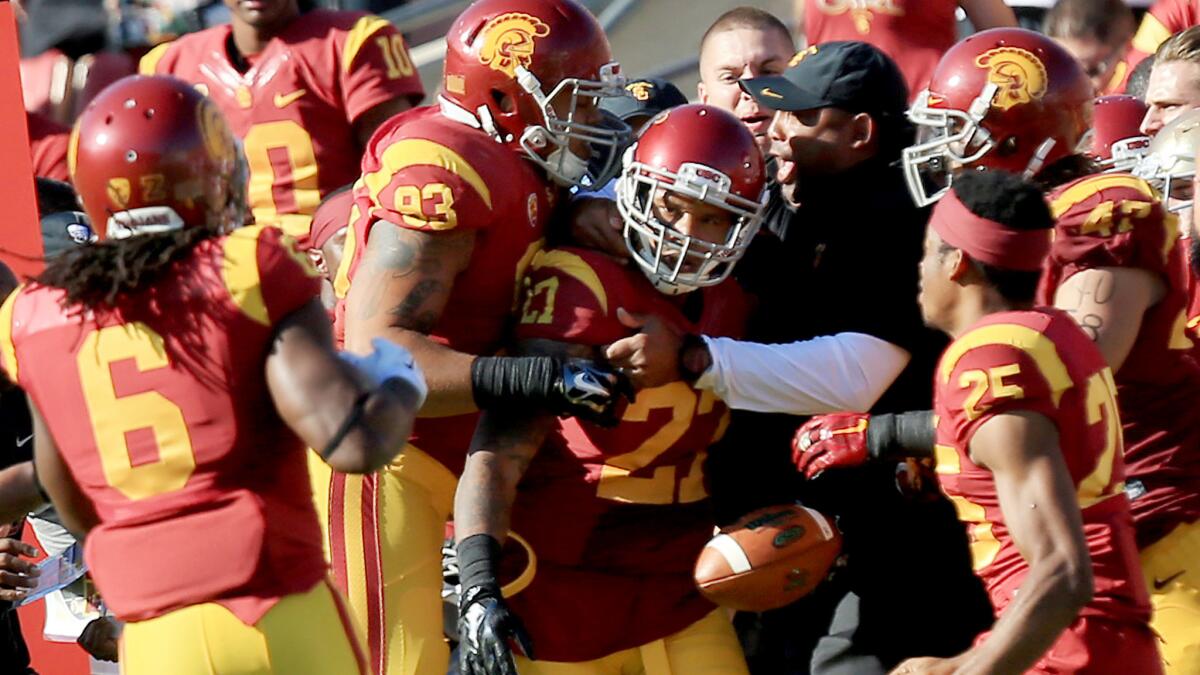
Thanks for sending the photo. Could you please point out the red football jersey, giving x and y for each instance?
(48, 146)
(166, 423)
(1039, 361)
(296, 105)
(616, 517)
(1110, 220)
(426, 172)
(1165, 18)
(915, 33)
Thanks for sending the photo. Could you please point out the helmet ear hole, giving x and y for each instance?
(504, 102)
(1007, 147)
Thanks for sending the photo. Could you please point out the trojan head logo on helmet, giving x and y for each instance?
(1170, 163)
(151, 154)
(530, 73)
(508, 41)
(691, 162)
(1006, 98)
(1019, 74)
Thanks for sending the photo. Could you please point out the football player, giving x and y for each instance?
(450, 209)
(303, 92)
(1120, 274)
(1008, 99)
(176, 371)
(1028, 443)
(609, 522)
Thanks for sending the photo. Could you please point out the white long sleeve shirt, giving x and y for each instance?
(836, 373)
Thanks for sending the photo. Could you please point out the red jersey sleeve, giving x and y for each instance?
(267, 274)
(48, 142)
(1111, 220)
(158, 61)
(566, 298)
(424, 184)
(1164, 19)
(375, 67)
(997, 369)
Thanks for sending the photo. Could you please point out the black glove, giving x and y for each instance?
(488, 632)
(568, 387)
(591, 391)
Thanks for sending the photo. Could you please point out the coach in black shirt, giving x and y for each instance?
(837, 328)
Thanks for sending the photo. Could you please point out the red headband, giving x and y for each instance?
(332, 215)
(988, 241)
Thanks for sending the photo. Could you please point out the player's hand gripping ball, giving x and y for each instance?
(770, 558)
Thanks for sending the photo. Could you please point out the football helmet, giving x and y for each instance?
(1170, 163)
(703, 153)
(1005, 98)
(151, 154)
(531, 72)
(1117, 141)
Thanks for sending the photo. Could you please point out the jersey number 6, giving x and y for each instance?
(114, 417)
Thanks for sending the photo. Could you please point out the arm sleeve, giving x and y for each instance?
(843, 372)
(375, 67)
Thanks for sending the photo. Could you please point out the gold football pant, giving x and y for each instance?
(384, 535)
(306, 633)
(707, 647)
(1172, 569)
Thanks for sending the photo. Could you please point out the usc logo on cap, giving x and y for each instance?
(508, 41)
(641, 91)
(801, 55)
(1020, 75)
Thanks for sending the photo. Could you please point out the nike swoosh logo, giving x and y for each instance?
(284, 100)
(22, 441)
(1160, 584)
(767, 91)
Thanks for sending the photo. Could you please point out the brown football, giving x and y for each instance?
(768, 559)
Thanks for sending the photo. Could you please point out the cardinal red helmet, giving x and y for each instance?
(1117, 138)
(151, 154)
(1005, 98)
(701, 153)
(530, 72)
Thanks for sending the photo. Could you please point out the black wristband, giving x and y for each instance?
(510, 381)
(901, 435)
(351, 421)
(478, 557)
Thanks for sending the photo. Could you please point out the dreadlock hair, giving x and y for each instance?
(95, 276)
(1015, 203)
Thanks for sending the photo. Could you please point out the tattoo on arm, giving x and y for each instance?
(422, 264)
(411, 312)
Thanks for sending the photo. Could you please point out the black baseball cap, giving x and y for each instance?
(64, 230)
(647, 97)
(853, 76)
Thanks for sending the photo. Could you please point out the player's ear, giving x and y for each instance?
(862, 131)
(701, 92)
(959, 265)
